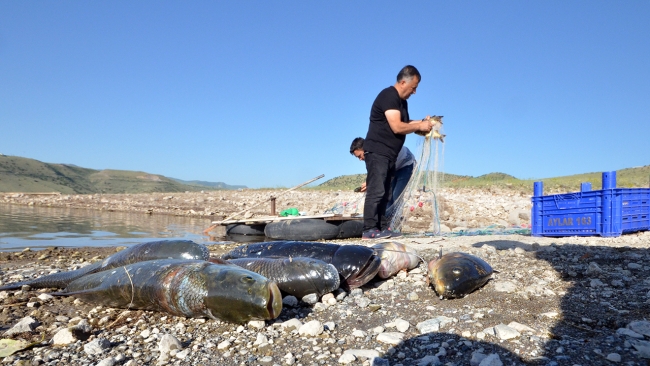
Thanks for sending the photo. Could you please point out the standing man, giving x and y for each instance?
(389, 124)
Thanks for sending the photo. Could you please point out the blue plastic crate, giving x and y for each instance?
(610, 211)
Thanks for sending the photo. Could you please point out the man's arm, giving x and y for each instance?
(395, 123)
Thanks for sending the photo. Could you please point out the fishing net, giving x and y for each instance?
(420, 197)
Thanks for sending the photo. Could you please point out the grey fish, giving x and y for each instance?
(457, 274)
(180, 249)
(297, 276)
(356, 264)
(190, 288)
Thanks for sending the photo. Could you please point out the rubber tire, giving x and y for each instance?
(243, 229)
(350, 229)
(301, 230)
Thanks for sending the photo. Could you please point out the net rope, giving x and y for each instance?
(422, 190)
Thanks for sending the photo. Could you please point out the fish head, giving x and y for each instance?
(394, 258)
(356, 264)
(238, 295)
(458, 274)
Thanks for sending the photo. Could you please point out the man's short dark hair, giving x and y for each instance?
(407, 72)
(357, 144)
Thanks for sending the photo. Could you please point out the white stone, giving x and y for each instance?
(434, 325)
(492, 359)
(168, 342)
(643, 347)
(614, 357)
(392, 338)
(311, 328)
(629, 333)
(109, 361)
(429, 360)
(224, 345)
(363, 353)
(347, 358)
(257, 324)
(261, 339)
(63, 337)
(402, 325)
(641, 327)
(505, 332)
(26, 324)
(97, 346)
(358, 333)
(291, 324)
(45, 297)
(521, 327)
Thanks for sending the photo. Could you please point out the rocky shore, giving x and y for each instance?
(554, 301)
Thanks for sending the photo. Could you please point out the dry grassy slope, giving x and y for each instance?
(19, 174)
(637, 177)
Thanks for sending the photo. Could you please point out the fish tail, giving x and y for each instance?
(13, 286)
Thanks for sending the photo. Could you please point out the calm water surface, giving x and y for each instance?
(41, 227)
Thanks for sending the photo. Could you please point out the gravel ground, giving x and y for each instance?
(554, 301)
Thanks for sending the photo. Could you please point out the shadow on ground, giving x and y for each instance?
(578, 299)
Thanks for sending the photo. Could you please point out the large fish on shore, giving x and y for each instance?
(457, 274)
(395, 257)
(179, 249)
(297, 276)
(355, 264)
(182, 287)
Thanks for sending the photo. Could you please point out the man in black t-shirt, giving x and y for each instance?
(389, 124)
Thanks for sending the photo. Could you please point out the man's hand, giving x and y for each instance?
(363, 187)
(425, 126)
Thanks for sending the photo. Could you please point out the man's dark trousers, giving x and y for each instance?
(380, 172)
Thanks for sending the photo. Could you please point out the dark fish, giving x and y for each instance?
(179, 249)
(356, 264)
(458, 274)
(395, 257)
(182, 287)
(297, 276)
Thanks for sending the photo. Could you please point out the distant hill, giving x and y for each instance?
(209, 185)
(637, 177)
(19, 174)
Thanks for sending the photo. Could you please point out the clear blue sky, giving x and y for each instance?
(271, 93)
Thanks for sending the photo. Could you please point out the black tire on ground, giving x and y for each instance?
(239, 238)
(350, 229)
(301, 230)
(243, 229)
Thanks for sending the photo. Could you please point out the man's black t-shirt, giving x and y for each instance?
(380, 138)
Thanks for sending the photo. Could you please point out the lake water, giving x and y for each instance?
(41, 227)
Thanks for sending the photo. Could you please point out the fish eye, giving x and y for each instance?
(247, 279)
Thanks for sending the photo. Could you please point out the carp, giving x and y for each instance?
(355, 264)
(394, 258)
(182, 287)
(457, 274)
(179, 249)
(297, 276)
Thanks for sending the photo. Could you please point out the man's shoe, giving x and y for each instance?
(375, 234)
(392, 234)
